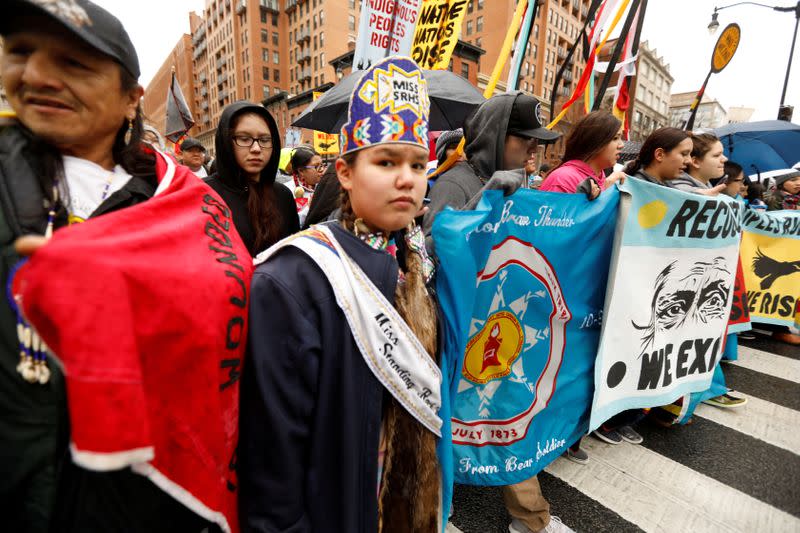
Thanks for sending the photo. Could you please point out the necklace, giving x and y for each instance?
(32, 364)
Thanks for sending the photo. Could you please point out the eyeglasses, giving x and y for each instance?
(245, 141)
(321, 166)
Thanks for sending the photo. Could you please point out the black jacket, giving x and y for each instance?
(229, 182)
(33, 418)
(310, 407)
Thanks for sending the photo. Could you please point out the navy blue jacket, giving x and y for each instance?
(311, 409)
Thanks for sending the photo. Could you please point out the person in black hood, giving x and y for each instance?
(502, 135)
(248, 149)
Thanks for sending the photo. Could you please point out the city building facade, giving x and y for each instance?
(651, 94)
(739, 114)
(710, 113)
(555, 28)
(280, 52)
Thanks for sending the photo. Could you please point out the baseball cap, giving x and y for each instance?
(85, 20)
(526, 120)
(190, 143)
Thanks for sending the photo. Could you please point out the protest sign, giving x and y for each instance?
(739, 319)
(771, 260)
(437, 32)
(385, 28)
(668, 299)
(325, 143)
(522, 319)
(293, 137)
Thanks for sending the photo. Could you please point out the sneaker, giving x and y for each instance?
(629, 435)
(555, 526)
(747, 336)
(726, 401)
(577, 456)
(610, 436)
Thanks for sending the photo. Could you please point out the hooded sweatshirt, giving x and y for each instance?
(686, 183)
(229, 182)
(485, 147)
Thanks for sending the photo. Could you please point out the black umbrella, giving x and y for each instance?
(453, 99)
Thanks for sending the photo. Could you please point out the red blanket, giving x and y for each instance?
(147, 310)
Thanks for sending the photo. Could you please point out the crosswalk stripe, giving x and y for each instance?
(763, 420)
(452, 529)
(661, 495)
(768, 363)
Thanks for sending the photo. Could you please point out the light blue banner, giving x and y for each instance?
(669, 297)
(521, 283)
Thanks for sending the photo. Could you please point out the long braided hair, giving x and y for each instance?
(409, 496)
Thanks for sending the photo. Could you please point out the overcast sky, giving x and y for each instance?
(676, 28)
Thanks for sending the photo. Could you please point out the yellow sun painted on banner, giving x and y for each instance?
(651, 214)
(491, 352)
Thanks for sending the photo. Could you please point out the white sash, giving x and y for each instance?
(389, 347)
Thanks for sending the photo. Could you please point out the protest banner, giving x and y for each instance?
(325, 143)
(437, 32)
(771, 260)
(668, 299)
(385, 28)
(522, 320)
(293, 137)
(739, 319)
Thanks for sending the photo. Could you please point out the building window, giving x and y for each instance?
(265, 91)
(465, 70)
(264, 36)
(480, 4)
(276, 75)
(275, 20)
(276, 58)
(479, 42)
(321, 17)
(263, 17)
(469, 26)
(351, 22)
(275, 38)
(479, 24)
(264, 54)
(321, 39)
(265, 73)
(351, 4)
(322, 60)
(315, 43)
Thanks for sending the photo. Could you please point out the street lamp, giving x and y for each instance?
(714, 24)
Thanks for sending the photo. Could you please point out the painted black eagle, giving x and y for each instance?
(769, 269)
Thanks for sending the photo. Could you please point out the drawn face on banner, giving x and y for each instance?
(686, 295)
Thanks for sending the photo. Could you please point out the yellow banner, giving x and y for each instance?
(772, 276)
(502, 58)
(325, 143)
(437, 32)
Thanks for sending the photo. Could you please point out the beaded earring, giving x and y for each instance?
(129, 133)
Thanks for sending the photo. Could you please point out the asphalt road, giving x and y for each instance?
(731, 470)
